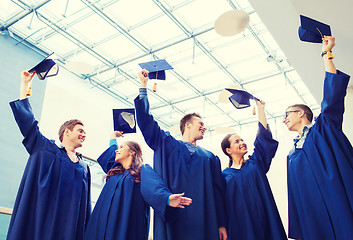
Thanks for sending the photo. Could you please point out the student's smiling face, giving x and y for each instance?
(237, 146)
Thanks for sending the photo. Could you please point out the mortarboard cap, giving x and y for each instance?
(124, 120)
(156, 68)
(46, 68)
(312, 30)
(240, 99)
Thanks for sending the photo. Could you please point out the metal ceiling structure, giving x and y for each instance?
(114, 36)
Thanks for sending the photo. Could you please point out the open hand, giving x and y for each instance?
(177, 200)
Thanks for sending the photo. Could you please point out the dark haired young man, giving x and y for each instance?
(320, 166)
(53, 200)
(185, 167)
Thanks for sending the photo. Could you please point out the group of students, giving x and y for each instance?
(192, 198)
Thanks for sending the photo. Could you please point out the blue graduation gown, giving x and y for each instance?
(320, 175)
(251, 209)
(198, 175)
(53, 200)
(120, 212)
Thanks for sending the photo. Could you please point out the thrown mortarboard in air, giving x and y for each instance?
(240, 99)
(124, 120)
(156, 68)
(312, 30)
(46, 68)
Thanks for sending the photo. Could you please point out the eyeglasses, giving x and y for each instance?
(288, 112)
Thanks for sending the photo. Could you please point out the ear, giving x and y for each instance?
(187, 124)
(66, 132)
(229, 151)
(301, 113)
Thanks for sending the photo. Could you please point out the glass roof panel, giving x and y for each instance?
(8, 9)
(133, 12)
(206, 13)
(114, 36)
(158, 30)
(94, 28)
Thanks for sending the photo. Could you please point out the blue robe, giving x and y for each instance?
(251, 209)
(120, 212)
(320, 175)
(198, 175)
(53, 200)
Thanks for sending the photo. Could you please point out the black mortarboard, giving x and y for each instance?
(156, 68)
(312, 30)
(240, 99)
(124, 120)
(46, 68)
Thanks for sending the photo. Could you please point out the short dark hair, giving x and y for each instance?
(309, 114)
(186, 119)
(226, 144)
(70, 124)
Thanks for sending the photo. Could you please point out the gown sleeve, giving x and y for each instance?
(154, 190)
(332, 105)
(220, 189)
(33, 140)
(107, 159)
(265, 147)
(152, 133)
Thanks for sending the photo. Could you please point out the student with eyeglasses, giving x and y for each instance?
(320, 165)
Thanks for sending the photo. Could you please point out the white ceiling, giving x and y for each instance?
(114, 36)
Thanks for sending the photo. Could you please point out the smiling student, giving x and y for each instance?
(121, 212)
(320, 165)
(53, 200)
(251, 209)
(185, 167)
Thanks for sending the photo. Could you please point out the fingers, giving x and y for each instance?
(143, 73)
(118, 134)
(28, 75)
(328, 42)
(177, 200)
(185, 201)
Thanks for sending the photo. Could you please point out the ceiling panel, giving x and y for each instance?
(113, 36)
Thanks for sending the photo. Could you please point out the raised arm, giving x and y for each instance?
(22, 111)
(265, 145)
(328, 42)
(25, 88)
(143, 75)
(107, 159)
(152, 133)
(335, 88)
(261, 113)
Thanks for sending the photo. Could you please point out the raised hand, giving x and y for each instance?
(25, 88)
(328, 42)
(143, 75)
(116, 134)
